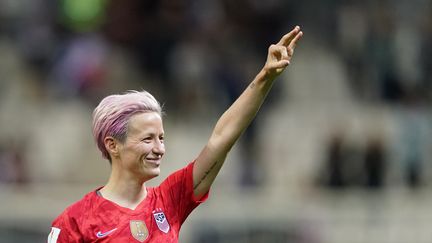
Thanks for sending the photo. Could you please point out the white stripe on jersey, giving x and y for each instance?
(53, 235)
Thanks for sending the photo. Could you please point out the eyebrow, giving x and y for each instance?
(151, 134)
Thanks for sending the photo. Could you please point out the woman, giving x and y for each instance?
(129, 132)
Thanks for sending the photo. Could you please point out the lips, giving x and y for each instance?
(153, 161)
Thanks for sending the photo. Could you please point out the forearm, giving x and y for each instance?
(240, 114)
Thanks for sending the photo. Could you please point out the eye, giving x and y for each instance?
(147, 140)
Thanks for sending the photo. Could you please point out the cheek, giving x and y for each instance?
(145, 148)
(138, 149)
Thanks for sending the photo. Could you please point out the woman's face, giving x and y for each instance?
(144, 147)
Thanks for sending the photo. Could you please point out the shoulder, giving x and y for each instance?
(77, 211)
(181, 175)
(179, 185)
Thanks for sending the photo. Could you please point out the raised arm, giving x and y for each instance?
(240, 114)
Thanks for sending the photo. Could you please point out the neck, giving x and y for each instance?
(124, 189)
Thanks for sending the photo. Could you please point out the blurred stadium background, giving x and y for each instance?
(340, 152)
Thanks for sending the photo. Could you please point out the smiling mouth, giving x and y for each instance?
(153, 161)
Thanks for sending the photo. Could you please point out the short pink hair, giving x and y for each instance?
(111, 117)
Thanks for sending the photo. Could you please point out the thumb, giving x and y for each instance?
(279, 64)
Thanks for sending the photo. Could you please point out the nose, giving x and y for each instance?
(159, 148)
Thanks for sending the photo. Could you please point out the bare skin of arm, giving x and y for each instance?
(240, 114)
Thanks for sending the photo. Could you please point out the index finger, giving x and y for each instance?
(293, 42)
(287, 38)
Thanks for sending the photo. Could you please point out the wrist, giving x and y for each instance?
(265, 76)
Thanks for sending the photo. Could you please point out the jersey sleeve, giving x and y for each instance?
(64, 230)
(179, 188)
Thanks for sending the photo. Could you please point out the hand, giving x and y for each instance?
(280, 54)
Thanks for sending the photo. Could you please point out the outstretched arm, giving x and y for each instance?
(237, 118)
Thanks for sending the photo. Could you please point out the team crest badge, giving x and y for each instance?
(139, 230)
(161, 220)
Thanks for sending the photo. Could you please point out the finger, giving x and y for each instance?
(284, 53)
(294, 41)
(286, 39)
(279, 51)
(279, 64)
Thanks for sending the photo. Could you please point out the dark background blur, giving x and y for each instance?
(340, 152)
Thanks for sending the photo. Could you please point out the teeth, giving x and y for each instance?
(153, 161)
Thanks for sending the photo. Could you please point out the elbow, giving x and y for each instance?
(220, 144)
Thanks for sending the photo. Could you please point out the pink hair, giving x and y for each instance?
(111, 116)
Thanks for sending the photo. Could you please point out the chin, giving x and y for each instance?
(153, 172)
(149, 170)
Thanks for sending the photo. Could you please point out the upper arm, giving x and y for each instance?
(207, 166)
(60, 234)
(62, 231)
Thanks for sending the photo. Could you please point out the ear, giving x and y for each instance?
(112, 146)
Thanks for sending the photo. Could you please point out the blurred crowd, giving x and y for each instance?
(196, 57)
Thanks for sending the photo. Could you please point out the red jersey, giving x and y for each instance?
(157, 218)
